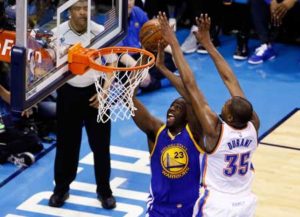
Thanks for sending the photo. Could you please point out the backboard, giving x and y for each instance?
(39, 57)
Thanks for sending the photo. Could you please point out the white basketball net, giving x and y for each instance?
(115, 97)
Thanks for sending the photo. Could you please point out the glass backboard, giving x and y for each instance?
(39, 57)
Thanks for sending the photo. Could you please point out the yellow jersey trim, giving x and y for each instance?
(156, 137)
(194, 141)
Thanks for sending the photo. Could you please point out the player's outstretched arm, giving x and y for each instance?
(177, 83)
(142, 117)
(175, 80)
(226, 73)
(205, 116)
(223, 68)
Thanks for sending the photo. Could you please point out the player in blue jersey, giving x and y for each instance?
(229, 139)
(175, 152)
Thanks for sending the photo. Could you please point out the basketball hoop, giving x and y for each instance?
(117, 83)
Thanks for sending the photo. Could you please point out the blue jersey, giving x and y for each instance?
(136, 20)
(175, 172)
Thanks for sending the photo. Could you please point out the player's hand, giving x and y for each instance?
(203, 35)
(94, 101)
(167, 31)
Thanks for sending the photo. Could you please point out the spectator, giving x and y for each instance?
(45, 12)
(140, 4)
(195, 7)
(239, 19)
(267, 17)
(5, 24)
(75, 112)
(152, 7)
(137, 17)
(18, 141)
(171, 7)
(19, 133)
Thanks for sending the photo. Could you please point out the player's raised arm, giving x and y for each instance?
(223, 68)
(203, 37)
(205, 116)
(177, 83)
(175, 80)
(142, 117)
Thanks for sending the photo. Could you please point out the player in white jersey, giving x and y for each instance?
(226, 182)
(229, 139)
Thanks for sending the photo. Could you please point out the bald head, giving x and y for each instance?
(237, 111)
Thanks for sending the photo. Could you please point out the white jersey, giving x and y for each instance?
(227, 175)
(70, 37)
(229, 168)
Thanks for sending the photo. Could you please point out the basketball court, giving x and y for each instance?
(272, 87)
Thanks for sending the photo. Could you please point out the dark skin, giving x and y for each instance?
(279, 10)
(179, 113)
(176, 120)
(208, 119)
(177, 83)
(78, 20)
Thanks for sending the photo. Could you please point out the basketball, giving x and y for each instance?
(150, 35)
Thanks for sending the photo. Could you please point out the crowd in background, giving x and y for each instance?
(267, 20)
(185, 132)
(22, 134)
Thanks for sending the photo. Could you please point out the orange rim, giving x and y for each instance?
(118, 50)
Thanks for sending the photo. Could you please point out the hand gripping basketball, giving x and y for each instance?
(150, 35)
